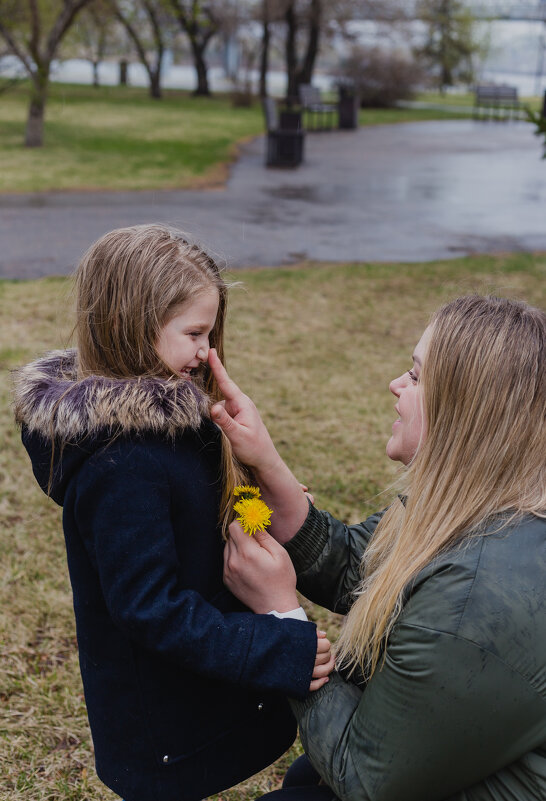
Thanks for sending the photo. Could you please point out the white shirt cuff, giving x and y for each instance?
(296, 614)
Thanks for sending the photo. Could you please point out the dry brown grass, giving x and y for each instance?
(316, 346)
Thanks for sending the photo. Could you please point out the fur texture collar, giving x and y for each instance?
(50, 400)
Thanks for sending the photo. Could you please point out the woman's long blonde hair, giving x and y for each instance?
(128, 285)
(484, 400)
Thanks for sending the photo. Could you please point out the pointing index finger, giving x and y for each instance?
(229, 388)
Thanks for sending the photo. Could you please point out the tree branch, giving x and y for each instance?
(34, 41)
(180, 13)
(134, 36)
(156, 31)
(16, 49)
(63, 22)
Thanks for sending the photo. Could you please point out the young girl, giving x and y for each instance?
(182, 684)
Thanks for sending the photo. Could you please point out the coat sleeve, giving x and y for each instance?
(123, 509)
(327, 555)
(441, 715)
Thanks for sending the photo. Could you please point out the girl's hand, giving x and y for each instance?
(240, 421)
(259, 572)
(324, 662)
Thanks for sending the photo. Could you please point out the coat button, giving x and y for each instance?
(260, 706)
(166, 759)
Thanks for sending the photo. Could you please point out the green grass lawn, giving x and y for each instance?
(447, 99)
(118, 138)
(466, 99)
(316, 346)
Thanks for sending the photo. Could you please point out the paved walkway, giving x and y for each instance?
(409, 192)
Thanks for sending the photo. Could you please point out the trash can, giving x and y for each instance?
(284, 145)
(285, 148)
(348, 105)
(290, 119)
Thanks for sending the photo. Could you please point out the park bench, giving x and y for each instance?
(284, 144)
(496, 102)
(318, 116)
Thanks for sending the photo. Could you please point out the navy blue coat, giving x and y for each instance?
(184, 687)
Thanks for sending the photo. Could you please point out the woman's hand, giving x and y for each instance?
(305, 490)
(259, 572)
(324, 662)
(240, 421)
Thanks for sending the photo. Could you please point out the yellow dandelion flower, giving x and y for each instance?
(253, 515)
(245, 491)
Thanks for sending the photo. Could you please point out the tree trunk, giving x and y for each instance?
(201, 69)
(155, 84)
(34, 133)
(96, 82)
(445, 74)
(305, 72)
(291, 57)
(155, 70)
(264, 55)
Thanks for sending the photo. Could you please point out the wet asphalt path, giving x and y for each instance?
(409, 192)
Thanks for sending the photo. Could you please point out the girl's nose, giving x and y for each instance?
(203, 352)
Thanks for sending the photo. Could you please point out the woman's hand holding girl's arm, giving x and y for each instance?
(240, 421)
(258, 571)
(324, 662)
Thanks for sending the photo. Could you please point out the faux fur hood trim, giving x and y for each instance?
(52, 401)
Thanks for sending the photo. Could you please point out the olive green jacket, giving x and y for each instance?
(458, 710)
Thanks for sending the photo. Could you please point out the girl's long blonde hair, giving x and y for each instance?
(128, 285)
(484, 400)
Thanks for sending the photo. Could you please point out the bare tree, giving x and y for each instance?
(146, 24)
(92, 34)
(33, 32)
(300, 69)
(309, 22)
(200, 21)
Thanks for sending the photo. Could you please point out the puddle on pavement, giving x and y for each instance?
(307, 193)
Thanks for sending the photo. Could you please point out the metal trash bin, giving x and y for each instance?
(290, 119)
(284, 148)
(348, 105)
(284, 145)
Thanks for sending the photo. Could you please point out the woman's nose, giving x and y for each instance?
(396, 385)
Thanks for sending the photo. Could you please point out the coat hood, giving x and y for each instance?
(61, 413)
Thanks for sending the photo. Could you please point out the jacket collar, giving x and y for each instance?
(52, 401)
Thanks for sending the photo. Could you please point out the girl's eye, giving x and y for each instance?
(413, 377)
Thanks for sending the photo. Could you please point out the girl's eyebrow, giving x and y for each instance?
(417, 360)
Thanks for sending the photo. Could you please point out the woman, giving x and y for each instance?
(443, 655)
